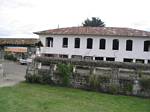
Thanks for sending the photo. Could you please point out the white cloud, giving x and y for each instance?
(26, 16)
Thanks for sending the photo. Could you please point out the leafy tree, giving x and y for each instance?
(95, 22)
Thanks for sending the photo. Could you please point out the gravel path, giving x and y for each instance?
(13, 73)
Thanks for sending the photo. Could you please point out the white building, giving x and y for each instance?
(97, 43)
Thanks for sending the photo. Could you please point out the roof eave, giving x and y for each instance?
(40, 33)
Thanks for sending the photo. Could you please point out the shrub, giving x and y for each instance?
(113, 88)
(31, 78)
(145, 84)
(94, 81)
(65, 71)
(43, 77)
(10, 57)
(127, 87)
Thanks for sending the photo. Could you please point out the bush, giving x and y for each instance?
(43, 77)
(10, 57)
(94, 81)
(31, 78)
(113, 88)
(145, 84)
(127, 87)
(65, 70)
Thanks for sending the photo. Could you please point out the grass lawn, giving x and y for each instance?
(43, 98)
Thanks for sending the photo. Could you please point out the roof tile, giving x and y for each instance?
(100, 31)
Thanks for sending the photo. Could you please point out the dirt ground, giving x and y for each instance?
(13, 73)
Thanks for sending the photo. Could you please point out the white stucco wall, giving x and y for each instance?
(136, 53)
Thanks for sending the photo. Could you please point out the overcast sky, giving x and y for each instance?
(27, 16)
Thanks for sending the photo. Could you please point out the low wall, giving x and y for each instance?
(1, 71)
(110, 77)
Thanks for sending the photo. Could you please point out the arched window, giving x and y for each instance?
(77, 43)
(115, 44)
(102, 44)
(49, 42)
(147, 45)
(89, 43)
(129, 45)
(65, 43)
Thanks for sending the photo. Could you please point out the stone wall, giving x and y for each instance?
(110, 77)
(1, 71)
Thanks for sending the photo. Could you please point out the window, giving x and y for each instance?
(79, 57)
(99, 58)
(49, 42)
(89, 43)
(139, 61)
(129, 45)
(115, 44)
(50, 55)
(110, 59)
(147, 46)
(102, 43)
(65, 43)
(127, 60)
(88, 57)
(148, 61)
(77, 43)
(63, 56)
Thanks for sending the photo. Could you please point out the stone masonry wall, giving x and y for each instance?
(110, 77)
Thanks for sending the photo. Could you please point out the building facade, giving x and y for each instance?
(97, 43)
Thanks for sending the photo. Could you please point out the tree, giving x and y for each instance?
(95, 22)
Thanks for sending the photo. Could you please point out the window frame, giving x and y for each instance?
(77, 43)
(115, 45)
(65, 42)
(102, 44)
(89, 43)
(49, 41)
(129, 45)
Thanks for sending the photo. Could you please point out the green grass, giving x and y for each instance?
(43, 98)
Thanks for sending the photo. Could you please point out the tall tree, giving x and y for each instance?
(94, 22)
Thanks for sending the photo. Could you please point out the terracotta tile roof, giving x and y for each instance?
(21, 42)
(100, 31)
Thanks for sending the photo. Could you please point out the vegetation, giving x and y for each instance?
(134, 66)
(65, 70)
(128, 87)
(94, 22)
(42, 98)
(10, 57)
(145, 83)
(94, 81)
(113, 89)
(43, 77)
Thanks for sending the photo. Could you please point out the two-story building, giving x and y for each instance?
(97, 43)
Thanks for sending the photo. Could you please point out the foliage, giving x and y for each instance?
(128, 87)
(10, 57)
(65, 70)
(135, 66)
(43, 77)
(95, 22)
(113, 88)
(94, 81)
(31, 78)
(145, 83)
